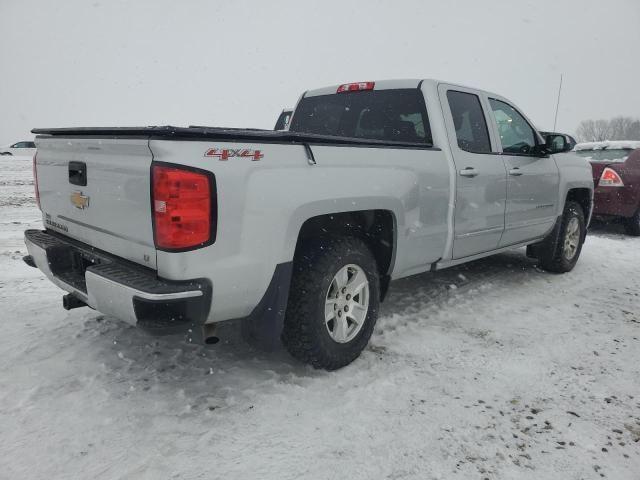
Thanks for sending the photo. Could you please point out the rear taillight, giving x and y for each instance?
(355, 87)
(183, 208)
(610, 178)
(35, 180)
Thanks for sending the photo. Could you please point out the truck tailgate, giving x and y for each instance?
(97, 191)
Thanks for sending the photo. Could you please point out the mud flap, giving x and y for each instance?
(263, 327)
(548, 244)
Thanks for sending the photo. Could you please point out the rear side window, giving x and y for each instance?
(392, 115)
(469, 121)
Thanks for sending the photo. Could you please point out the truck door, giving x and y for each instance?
(480, 173)
(533, 177)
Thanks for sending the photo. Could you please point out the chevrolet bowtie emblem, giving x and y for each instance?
(79, 200)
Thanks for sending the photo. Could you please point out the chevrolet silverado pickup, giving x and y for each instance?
(298, 233)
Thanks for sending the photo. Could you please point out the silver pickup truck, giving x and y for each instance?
(298, 233)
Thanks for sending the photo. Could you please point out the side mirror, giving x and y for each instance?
(556, 143)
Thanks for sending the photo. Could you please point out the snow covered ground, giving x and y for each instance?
(491, 370)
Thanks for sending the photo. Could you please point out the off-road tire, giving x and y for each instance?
(305, 334)
(551, 252)
(632, 225)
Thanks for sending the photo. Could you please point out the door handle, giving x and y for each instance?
(515, 172)
(469, 172)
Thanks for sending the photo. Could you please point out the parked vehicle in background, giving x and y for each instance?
(26, 149)
(299, 232)
(569, 140)
(283, 120)
(616, 175)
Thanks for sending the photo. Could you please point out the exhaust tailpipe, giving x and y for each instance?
(70, 301)
(209, 334)
(30, 261)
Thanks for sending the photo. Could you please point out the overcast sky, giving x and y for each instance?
(238, 63)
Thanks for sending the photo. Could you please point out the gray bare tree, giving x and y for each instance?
(618, 128)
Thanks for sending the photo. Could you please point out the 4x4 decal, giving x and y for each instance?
(226, 153)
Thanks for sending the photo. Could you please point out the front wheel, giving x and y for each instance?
(333, 302)
(561, 254)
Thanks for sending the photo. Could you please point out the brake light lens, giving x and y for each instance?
(610, 178)
(182, 208)
(35, 180)
(355, 87)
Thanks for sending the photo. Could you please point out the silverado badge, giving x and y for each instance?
(79, 200)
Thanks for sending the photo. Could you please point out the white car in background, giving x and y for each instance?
(20, 149)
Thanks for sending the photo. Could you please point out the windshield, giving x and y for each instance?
(396, 115)
(607, 154)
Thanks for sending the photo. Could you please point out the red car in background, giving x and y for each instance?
(616, 176)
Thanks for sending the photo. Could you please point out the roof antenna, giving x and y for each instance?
(555, 120)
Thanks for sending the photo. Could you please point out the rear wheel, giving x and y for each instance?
(333, 302)
(632, 225)
(561, 254)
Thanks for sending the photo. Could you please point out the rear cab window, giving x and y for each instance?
(395, 115)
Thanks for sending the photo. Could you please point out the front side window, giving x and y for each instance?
(516, 134)
(469, 121)
(392, 115)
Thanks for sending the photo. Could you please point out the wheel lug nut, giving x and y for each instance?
(348, 297)
(344, 290)
(335, 306)
(346, 308)
(339, 313)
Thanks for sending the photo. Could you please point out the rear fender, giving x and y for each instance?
(343, 205)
